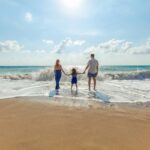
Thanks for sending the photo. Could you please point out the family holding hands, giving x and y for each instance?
(92, 67)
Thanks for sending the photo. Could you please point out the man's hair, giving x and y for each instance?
(92, 55)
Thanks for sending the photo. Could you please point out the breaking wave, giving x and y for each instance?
(48, 75)
(129, 76)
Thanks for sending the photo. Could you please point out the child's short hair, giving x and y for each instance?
(74, 71)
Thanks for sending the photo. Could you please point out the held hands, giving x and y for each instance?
(70, 74)
(66, 74)
(83, 72)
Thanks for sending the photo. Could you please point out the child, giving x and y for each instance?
(74, 79)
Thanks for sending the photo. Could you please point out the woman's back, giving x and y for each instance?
(57, 67)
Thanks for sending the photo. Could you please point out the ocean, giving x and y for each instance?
(114, 83)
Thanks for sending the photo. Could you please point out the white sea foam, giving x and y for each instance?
(117, 90)
(48, 75)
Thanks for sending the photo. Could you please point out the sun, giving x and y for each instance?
(71, 6)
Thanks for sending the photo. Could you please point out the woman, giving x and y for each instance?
(58, 71)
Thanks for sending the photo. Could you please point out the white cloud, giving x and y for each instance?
(67, 43)
(78, 42)
(48, 41)
(142, 49)
(28, 17)
(119, 47)
(113, 46)
(10, 45)
(70, 42)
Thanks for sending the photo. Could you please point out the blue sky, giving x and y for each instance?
(37, 32)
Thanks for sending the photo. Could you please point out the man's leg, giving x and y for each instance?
(94, 79)
(89, 82)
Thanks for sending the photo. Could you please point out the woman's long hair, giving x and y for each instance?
(57, 63)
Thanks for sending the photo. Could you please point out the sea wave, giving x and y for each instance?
(48, 75)
(129, 76)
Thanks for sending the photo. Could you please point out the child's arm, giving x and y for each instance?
(80, 72)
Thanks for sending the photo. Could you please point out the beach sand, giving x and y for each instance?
(34, 125)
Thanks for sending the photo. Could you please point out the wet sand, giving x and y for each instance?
(28, 125)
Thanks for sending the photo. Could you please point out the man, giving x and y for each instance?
(92, 67)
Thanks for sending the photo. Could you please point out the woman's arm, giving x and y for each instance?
(68, 74)
(63, 70)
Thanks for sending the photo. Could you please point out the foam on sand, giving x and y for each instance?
(131, 91)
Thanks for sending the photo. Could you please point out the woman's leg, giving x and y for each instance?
(57, 79)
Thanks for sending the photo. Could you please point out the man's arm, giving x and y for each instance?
(86, 68)
(97, 68)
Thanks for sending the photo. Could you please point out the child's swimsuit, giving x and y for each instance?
(74, 79)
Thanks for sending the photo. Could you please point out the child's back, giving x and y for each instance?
(74, 79)
(74, 76)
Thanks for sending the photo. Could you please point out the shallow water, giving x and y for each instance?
(121, 84)
(115, 90)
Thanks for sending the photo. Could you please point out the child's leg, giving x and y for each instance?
(76, 87)
(71, 86)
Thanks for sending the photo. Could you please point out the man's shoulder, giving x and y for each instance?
(89, 61)
(95, 60)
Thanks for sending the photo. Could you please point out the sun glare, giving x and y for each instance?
(71, 6)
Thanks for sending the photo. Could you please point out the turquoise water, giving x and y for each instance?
(104, 69)
(123, 69)
(21, 69)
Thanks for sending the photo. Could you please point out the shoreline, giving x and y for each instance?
(59, 101)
